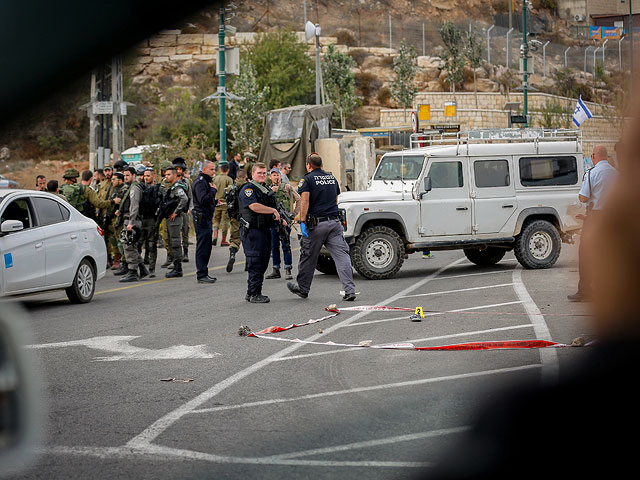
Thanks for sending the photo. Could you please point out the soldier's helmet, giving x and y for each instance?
(71, 173)
(140, 169)
(165, 165)
(130, 237)
(179, 162)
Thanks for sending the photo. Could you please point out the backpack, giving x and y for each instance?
(233, 206)
(74, 194)
(150, 200)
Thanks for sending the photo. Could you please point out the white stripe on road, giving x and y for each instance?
(372, 388)
(464, 275)
(433, 314)
(548, 356)
(144, 438)
(459, 290)
(427, 339)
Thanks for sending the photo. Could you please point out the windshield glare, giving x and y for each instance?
(399, 167)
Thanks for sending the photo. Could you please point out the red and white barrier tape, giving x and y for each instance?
(493, 345)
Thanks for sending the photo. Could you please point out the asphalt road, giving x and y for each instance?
(263, 408)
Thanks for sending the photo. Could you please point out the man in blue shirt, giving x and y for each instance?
(320, 225)
(594, 189)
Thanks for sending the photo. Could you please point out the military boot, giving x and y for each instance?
(168, 263)
(232, 259)
(144, 271)
(287, 273)
(176, 271)
(124, 268)
(275, 273)
(131, 276)
(115, 263)
(259, 298)
(224, 242)
(185, 256)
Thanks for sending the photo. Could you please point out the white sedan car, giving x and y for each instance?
(46, 244)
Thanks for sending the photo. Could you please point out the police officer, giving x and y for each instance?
(176, 196)
(204, 203)
(320, 225)
(257, 216)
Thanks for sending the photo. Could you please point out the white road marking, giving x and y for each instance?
(463, 275)
(371, 388)
(459, 290)
(372, 443)
(123, 350)
(144, 438)
(548, 356)
(427, 339)
(433, 314)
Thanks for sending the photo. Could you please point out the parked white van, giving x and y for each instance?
(485, 192)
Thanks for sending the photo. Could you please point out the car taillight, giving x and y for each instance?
(100, 231)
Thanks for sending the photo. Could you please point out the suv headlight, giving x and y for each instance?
(343, 218)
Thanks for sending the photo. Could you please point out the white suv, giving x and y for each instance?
(46, 244)
(485, 192)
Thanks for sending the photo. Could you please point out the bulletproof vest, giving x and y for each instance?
(258, 220)
(126, 201)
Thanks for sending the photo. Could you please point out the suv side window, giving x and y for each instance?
(48, 211)
(545, 171)
(446, 175)
(491, 173)
(18, 209)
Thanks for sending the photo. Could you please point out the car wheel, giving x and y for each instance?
(538, 245)
(326, 265)
(84, 283)
(378, 253)
(488, 256)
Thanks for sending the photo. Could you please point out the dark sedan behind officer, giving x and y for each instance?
(204, 204)
(257, 216)
(320, 225)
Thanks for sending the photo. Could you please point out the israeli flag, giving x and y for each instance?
(581, 113)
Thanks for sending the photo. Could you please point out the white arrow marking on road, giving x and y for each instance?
(124, 351)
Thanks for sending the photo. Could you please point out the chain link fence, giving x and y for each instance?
(378, 24)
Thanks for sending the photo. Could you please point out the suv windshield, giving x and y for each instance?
(399, 167)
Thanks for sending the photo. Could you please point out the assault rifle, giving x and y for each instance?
(288, 217)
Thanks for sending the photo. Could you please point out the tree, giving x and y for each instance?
(245, 116)
(473, 54)
(282, 64)
(405, 67)
(453, 54)
(339, 83)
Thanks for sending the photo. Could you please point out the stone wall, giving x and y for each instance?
(604, 127)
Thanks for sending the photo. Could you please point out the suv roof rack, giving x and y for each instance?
(496, 135)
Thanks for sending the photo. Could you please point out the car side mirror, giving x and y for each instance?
(427, 187)
(10, 226)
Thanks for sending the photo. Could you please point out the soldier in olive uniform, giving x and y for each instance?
(234, 222)
(181, 168)
(176, 197)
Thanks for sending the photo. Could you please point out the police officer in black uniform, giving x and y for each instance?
(320, 225)
(257, 216)
(204, 203)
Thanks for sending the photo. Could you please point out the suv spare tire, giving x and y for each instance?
(488, 256)
(538, 245)
(378, 253)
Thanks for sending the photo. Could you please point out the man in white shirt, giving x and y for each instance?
(595, 186)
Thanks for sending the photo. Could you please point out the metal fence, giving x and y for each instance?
(379, 26)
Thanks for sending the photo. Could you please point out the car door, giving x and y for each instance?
(493, 193)
(446, 209)
(60, 240)
(22, 253)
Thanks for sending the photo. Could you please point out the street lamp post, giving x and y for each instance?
(525, 77)
(311, 30)
(222, 89)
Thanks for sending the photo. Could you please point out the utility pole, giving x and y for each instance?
(222, 88)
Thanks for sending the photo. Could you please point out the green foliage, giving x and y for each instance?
(554, 115)
(566, 85)
(453, 54)
(192, 149)
(339, 83)
(405, 67)
(473, 50)
(244, 117)
(282, 64)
